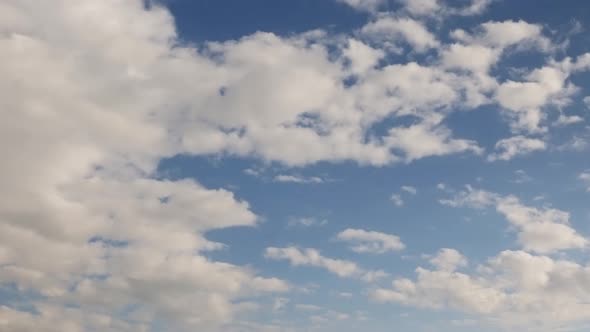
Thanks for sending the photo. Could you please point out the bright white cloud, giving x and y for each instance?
(509, 148)
(397, 200)
(297, 179)
(312, 257)
(390, 30)
(363, 241)
(448, 260)
(364, 5)
(543, 230)
(307, 222)
(409, 189)
(509, 291)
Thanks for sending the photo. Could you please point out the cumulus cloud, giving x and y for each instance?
(312, 257)
(103, 104)
(297, 179)
(307, 222)
(363, 241)
(544, 230)
(509, 148)
(392, 30)
(364, 5)
(510, 290)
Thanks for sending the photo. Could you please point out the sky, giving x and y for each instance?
(294, 165)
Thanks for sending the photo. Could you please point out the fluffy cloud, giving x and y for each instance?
(540, 230)
(365, 5)
(297, 179)
(511, 290)
(389, 30)
(443, 8)
(448, 260)
(96, 93)
(363, 241)
(312, 257)
(509, 148)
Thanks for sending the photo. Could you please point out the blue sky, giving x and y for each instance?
(309, 165)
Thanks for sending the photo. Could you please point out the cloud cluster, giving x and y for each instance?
(312, 257)
(363, 241)
(513, 290)
(541, 230)
(96, 93)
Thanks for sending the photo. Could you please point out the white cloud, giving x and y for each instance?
(297, 179)
(448, 260)
(312, 257)
(364, 5)
(438, 8)
(397, 200)
(392, 30)
(363, 241)
(104, 103)
(509, 148)
(409, 189)
(421, 7)
(504, 34)
(540, 230)
(510, 291)
(362, 57)
(307, 222)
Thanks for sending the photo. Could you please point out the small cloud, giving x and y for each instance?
(307, 307)
(307, 222)
(509, 148)
(565, 120)
(410, 189)
(279, 304)
(285, 178)
(252, 172)
(521, 177)
(397, 200)
(363, 241)
(585, 177)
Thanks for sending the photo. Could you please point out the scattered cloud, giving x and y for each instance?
(307, 222)
(543, 230)
(297, 179)
(509, 148)
(312, 257)
(372, 242)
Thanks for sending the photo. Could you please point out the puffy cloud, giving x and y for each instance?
(363, 241)
(540, 230)
(307, 222)
(312, 257)
(504, 34)
(364, 5)
(421, 7)
(397, 200)
(513, 290)
(509, 148)
(448, 260)
(297, 179)
(409, 189)
(442, 8)
(361, 56)
(391, 30)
